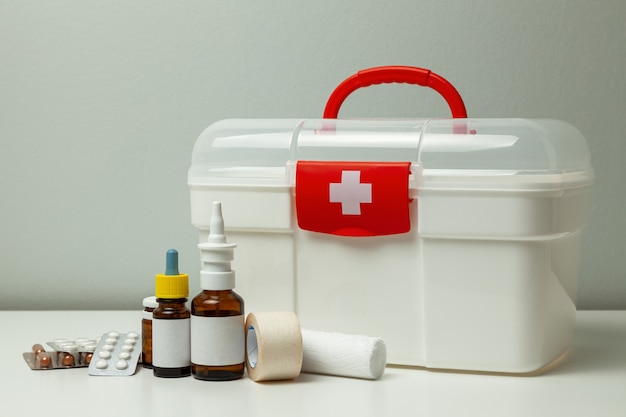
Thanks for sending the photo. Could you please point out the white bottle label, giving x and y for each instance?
(171, 343)
(217, 341)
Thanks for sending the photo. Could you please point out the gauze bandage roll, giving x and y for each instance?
(343, 354)
(273, 346)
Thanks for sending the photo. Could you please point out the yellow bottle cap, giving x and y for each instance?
(172, 284)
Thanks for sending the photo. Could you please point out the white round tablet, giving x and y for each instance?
(104, 354)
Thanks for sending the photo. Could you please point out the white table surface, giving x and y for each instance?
(590, 382)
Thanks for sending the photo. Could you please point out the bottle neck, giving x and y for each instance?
(216, 292)
(166, 301)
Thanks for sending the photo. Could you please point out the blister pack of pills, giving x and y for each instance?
(116, 354)
(65, 354)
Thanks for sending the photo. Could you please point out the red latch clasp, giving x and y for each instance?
(353, 198)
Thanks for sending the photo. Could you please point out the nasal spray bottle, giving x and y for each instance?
(217, 313)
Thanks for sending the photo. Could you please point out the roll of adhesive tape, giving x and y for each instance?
(343, 355)
(273, 346)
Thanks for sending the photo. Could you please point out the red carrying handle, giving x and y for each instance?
(395, 74)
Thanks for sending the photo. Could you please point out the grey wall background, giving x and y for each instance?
(101, 103)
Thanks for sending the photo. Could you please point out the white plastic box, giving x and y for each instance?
(484, 279)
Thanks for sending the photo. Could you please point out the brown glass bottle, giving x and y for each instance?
(219, 305)
(171, 310)
(149, 304)
(171, 341)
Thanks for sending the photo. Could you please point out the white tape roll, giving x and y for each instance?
(343, 354)
(273, 346)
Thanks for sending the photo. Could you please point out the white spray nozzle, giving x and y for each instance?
(216, 232)
(216, 255)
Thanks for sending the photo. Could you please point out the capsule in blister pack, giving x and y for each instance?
(76, 353)
(117, 354)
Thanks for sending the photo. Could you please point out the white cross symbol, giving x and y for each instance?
(350, 192)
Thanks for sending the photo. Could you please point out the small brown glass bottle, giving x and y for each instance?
(149, 304)
(217, 313)
(171, 323)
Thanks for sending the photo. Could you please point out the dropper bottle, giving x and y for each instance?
(170, 322)
(217, 313)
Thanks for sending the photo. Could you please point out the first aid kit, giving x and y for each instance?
(456, 241)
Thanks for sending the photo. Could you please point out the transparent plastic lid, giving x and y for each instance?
(245, 151)
(450, 152)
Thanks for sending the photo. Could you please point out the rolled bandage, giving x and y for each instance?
(343, 355)
(273, 346)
